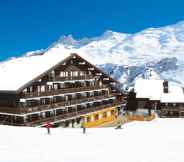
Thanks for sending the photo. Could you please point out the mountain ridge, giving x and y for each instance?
(159, 49)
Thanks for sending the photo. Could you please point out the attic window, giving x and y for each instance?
(82, 63)
(99, 74)
(92, 68)
(62, 74)
(82, 73)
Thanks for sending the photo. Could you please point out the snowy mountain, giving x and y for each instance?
(153, 52)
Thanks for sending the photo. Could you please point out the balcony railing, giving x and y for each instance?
(22, 110)
(72, 114)
(64, 103)
(70, 78)
(61, 91)
(66, 116)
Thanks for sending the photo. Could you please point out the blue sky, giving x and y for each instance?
(35, 24)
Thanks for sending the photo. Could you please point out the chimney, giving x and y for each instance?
(166, 86)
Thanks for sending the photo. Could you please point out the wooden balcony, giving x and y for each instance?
(70, 78)
(63, 104)
(173, 109)
(61, 91)
(51, 106)
(66, 116)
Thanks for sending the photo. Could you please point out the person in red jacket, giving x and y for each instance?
(48, 126)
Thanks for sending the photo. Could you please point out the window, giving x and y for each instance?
(31, 89)
(55, 86)
(100, 83)
(49, 87)
(66, 74)
(53, 74)
(88, 119)
(43, 101)
(25, 90)
(96, 116)
(104, 114)
(42, 88)
(82, 73)
(66, 98)
(62, 85)
(75, 73)
(62, 74)
(112, 112)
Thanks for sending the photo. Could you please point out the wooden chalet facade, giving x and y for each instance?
(161, 97)
(71, 93)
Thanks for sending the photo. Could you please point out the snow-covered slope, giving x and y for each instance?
(126, 56)
(160, 140)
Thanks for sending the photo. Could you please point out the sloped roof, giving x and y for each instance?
(153, 89)
(175, 95)
(18, 72)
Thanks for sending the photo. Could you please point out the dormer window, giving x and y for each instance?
(74, 57)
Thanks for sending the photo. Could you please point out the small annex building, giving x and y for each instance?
(67, 91)
(167, 98)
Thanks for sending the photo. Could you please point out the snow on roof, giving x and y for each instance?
(175, 95)
(153, 89)
(17, 72)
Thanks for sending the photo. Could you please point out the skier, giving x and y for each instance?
(83, 126)
(48, 126)
(84, 129)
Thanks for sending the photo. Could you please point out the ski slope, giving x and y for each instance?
(161, 140)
